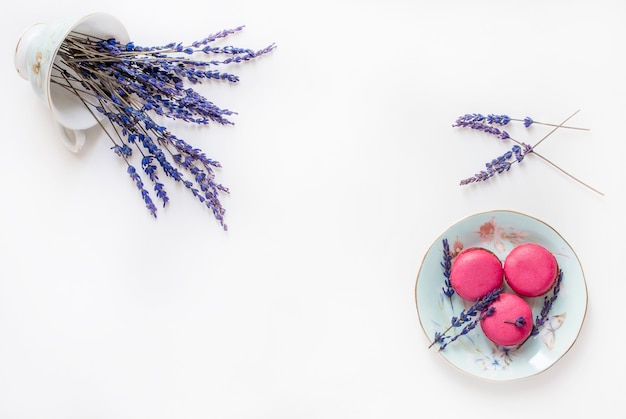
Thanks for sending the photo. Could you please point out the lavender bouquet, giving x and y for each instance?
(128, 83)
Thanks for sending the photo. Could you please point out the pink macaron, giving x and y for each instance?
(511, 322)
(530, 270)
(475, 272)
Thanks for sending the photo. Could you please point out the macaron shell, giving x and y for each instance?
(497, 327)
(530, 270)
(475, 272)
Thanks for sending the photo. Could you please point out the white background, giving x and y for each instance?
(343, 169)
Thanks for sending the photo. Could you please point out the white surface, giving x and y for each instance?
(343, 168)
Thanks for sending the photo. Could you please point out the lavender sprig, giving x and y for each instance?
(467, 315)
(144, 193)
(519, 322)
(469, 327)
(503, 120)
(446, 264)
(173, 46)
(547, 305)
(126, 83)
(500, 164)
(475, 121)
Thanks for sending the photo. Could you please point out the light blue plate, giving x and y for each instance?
(474, 354)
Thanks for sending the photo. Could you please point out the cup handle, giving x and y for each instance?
(73, 140)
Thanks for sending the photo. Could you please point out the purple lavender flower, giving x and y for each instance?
(470, 118)
(519, 322)
(144, 193)
(500, 164)
(126, 83)
(122, 150)
(498, 119)
(481, 126)
(547, 305)
(528, 121)
(446, 264)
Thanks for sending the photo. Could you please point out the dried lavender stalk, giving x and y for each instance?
(466, 316)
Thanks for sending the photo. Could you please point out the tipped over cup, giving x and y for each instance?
(36, 60)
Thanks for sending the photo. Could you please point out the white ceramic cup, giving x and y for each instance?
(35, 55)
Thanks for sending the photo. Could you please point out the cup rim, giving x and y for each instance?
(123, 36)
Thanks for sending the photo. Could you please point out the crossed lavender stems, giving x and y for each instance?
(520, 150)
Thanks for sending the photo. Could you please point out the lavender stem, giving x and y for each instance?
(553, 125)
(567, 173)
